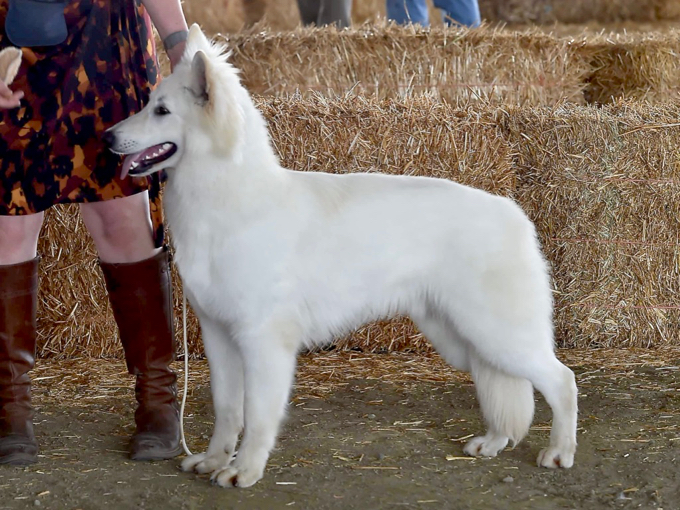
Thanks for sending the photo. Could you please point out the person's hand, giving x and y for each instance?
(9, 99)
(175, 54)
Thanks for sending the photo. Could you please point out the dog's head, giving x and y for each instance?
(196, 109)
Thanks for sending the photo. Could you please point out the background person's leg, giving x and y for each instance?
(408, 11)
(337, 12)
(309, 11)
(460, 12)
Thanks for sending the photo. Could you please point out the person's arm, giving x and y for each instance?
(168, 18)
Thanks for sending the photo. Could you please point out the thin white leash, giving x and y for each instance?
(186, 375)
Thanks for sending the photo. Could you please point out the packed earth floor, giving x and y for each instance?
(366, 432)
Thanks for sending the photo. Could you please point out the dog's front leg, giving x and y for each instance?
(269, 368)
(226, 384)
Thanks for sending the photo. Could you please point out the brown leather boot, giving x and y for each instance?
(141, 298)
(18, 304)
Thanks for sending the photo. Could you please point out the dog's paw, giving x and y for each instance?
(236, 476)
(192, 461)
(203, 463)
(554, 457)
(485, 446)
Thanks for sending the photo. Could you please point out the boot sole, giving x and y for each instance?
(156, 454)
(18, 459)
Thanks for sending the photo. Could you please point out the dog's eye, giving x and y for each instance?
(161, 110)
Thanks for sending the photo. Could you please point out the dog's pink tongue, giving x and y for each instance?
(132, 158)
(127, 164)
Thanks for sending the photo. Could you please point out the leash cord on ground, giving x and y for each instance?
(186, 376)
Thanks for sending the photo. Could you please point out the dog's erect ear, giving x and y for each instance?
(199, 78)
(196, 35)
(215, 87)
(196, 41)
(10, 61)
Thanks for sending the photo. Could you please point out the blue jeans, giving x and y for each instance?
(454, 12)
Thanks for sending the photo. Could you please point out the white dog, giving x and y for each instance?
(273, 260)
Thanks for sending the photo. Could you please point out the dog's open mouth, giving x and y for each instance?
(140, 162)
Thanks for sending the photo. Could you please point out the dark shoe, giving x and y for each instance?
(141, 298)
(18, 304)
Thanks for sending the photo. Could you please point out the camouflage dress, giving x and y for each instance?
(50, 148)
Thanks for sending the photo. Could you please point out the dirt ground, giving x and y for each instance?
(365, 432)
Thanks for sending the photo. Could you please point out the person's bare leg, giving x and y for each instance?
(121, 228)
(19, 238)
(138, 281)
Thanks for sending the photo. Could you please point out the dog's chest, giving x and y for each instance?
(228, 277)
(196, 273)
(231, 261)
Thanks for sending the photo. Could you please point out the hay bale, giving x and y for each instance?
(543, 11)
(462, 66)
(540, 11)
(230, 16)
(582, 30)
(384, 61)
(603, 187)
(578, 11)
(635, 66)
(417, 137)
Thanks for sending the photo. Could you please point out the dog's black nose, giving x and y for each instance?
(109, 138)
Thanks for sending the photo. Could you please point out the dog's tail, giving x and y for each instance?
(507, 402)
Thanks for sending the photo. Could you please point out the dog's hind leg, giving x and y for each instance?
(558, 385)
(506, 317)
(226, 384)
(269, 366)
(520, 357)
(507, 404)
(448, 343)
